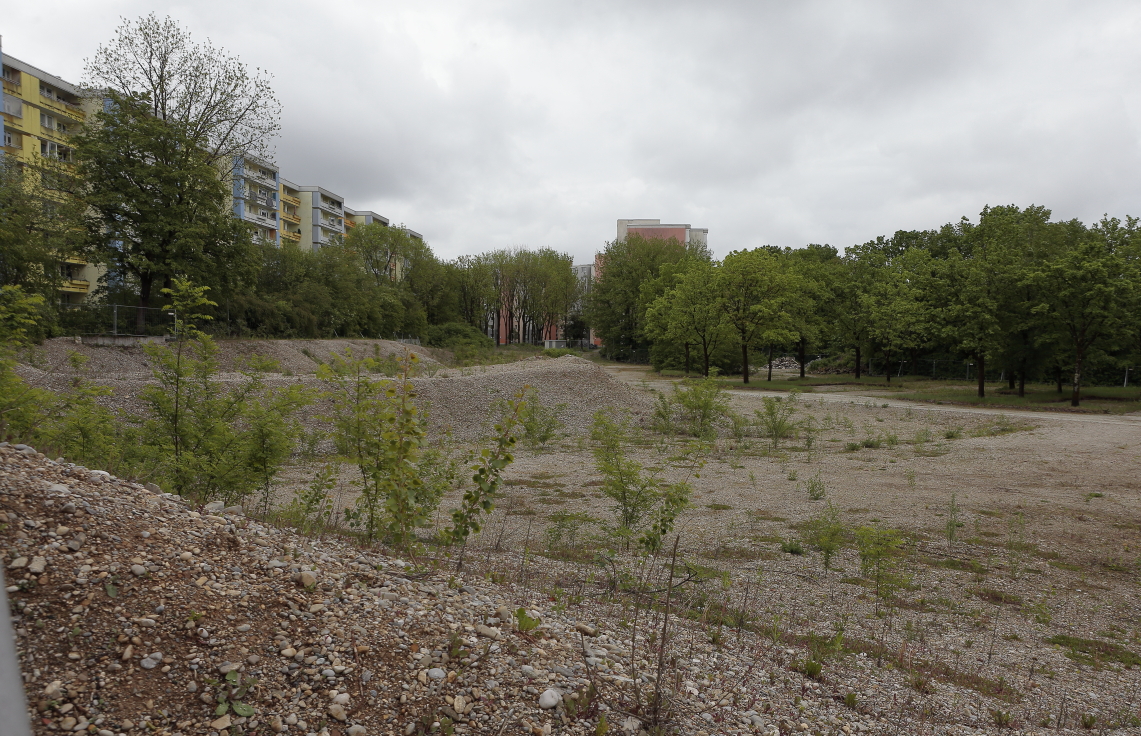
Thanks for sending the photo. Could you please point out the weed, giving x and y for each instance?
(1001, 718)
(775, 420)
(1094, 652)
(990, 595)
(826, 533)
(811, 669)
(1095, 494)
(792, 475)
(953, 433)
(872, 442)
(851, 700)
(540, 423)
(814, 486)
(718, 506)
(792, 547)
(851, 446)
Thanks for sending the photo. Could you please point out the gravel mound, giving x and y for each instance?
(131, 609)
(292, 356)
(462, 400)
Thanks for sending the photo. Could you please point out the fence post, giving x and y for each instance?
(114, 319)
(13, 708)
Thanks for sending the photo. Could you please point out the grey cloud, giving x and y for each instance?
(519, 123)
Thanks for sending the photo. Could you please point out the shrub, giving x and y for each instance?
(792, 547)
(775, 419)
(696, 408)
(641, 504)
(826, 533)
(456, 334)
(540, 423)
(815, 488)
(560, 352)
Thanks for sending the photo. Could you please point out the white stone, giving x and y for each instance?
(550, 698)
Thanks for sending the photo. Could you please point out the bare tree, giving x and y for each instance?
(226, 110)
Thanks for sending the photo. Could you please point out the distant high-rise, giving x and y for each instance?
(656, 229)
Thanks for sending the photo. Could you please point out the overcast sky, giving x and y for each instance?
(497, 124)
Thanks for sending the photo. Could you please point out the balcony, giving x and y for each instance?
(267, 201)
(331, 207)
(290, 235)
(291, 200)
(11, 86)
(259, 220)
(290, 217)
(60, 105)
(331, 225)
(75, 286)
(256, 176)
(349, 224)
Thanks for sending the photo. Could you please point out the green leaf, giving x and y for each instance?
(112, 591)
(242, 709)
(221, 709)
(232, 676)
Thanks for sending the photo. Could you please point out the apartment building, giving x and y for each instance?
(256, 197)
(40, 114)
(657, 229)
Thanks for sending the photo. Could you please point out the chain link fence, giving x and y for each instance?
(115, 319)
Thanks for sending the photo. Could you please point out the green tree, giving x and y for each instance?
(157, 207)
(1089, 288)
(222, 110)
(615, 308)
(691, 313)
(38, 227)
(757, 294)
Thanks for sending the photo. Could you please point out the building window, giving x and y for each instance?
(9, 139)
(13, 106)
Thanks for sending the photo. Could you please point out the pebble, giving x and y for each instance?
(138, 570)
(550, 698)
(437, 674)
(357, 730)
(336, 710)
(37, 565)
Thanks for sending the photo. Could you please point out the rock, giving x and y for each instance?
(288, 652)
(214, 507)
(77, 542)
(503, 613)
(18, 563)
(128, 652)
(437, 674)
(307, 579)
(253, 659)
(586, 629)
(341, 698)
(53, 690)
(244, 628)
(316, 608)
(275, 724)
(152, 488)
(68, 723)
(336, 710)
(357, 730)
(96, 477)
(192, 687)
(550, 698)
(147, 623)
(487, 631)
(223, 722)
(148, 664)
(234, 511)
(227, 667)
(37, 565)
(138, 570)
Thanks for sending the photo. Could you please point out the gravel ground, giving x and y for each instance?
(130, 608)
(1048, 548)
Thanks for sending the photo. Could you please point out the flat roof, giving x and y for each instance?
(40, 74)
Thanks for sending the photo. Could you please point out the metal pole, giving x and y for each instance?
(13, 707)
(1126, 384)
(114, 319)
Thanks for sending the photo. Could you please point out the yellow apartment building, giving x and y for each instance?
(40, 114)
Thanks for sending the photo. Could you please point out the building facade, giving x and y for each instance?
(41, 111)
(40, 114)
(656, 229)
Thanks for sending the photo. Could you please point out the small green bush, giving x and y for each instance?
(792, 547)
(559, 352)
(452, 335)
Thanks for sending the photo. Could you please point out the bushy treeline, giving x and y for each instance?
(377, 281)
(1016, 294)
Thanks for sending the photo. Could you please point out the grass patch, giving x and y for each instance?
(972, 566)
(1000, 597)
(718, 506)
(1094, 652)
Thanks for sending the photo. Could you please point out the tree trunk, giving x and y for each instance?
(745, 360)
(1022, 382)
(146, 283)
(915, 362)
(1076, 397)
(1059, 379)
(800, 355)
(687, 358)
(704, 360)
(982, 375)
(858, 362)
(770, 361)
(887, 365)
